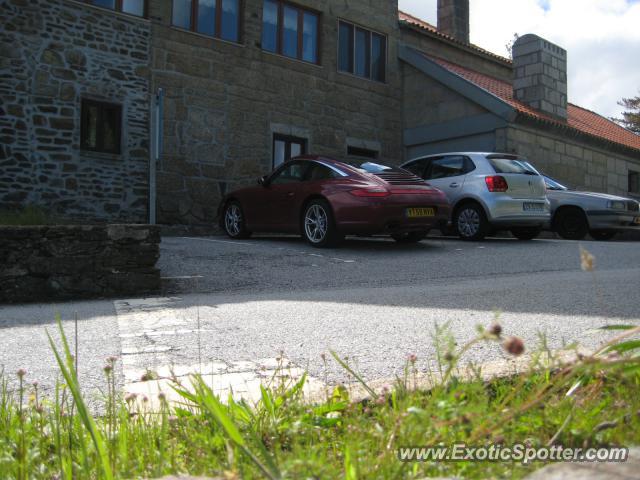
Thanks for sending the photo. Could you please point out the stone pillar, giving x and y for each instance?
(453, 19)
(540, 75)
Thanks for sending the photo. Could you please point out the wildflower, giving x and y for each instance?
(107, 368)
(323, 356)
(587, 260)
(381, 400)
(448, 357)
(162, 397)
(495, 329)
(130, 397)
(514, 346)
(21, 373)
(145, 399)
(112, 359)
(34, 384)
(413, 358)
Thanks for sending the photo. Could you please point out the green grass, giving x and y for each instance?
(284, 437)
(30, 215)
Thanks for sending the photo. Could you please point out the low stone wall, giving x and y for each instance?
(72, 262)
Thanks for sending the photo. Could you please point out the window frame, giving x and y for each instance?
(217, 29)
(288, 140)
(301, 10)
(99, 148)
(631, 174)
(118, 8)
(468, 166)
(362, 150)
(354, 29)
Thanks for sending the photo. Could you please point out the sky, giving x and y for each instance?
(602, 38)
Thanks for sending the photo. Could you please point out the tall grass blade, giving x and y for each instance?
(68, 372)
(344, 365)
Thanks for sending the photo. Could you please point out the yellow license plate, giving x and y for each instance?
(636, 220)
(421, 212)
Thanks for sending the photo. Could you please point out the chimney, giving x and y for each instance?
(453, 19)
(540, 75)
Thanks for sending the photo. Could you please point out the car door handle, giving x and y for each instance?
(454, 185)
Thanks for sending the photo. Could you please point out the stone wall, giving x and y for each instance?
(468, 57)
(224, 101)
(429, 102)
(53, 53)
(72, 262)
(582, 165)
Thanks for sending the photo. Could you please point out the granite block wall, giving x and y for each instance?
(53, 53)
(71, 262)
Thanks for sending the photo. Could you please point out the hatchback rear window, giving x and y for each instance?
(511, 165)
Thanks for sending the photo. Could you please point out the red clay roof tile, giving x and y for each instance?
(579, 118)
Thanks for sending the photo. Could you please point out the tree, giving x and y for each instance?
(631, 116)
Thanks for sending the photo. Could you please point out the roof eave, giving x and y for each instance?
(455, 82)
(524, 118)
(505, 62)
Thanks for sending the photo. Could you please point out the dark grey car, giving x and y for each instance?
(574, 213)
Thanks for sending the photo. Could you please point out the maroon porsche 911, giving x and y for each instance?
(324, 200)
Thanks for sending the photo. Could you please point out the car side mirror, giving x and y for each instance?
(264, 180)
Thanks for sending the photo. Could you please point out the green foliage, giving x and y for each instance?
(30, 215)
(631, 116)
(591, 402)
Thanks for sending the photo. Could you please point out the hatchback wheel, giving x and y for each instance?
(471, 222)
(318, 225)
(234, 224)
(602, 234)
(525, 233)
(571, 224)
(410, 237)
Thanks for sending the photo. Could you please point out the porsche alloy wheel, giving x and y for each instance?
(234, 224)
(318, 226)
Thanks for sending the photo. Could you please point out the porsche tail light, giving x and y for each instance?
(496, 183)
(370, 192)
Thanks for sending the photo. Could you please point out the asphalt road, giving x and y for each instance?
(372, 300)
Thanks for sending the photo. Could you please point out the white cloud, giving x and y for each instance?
(602, 38)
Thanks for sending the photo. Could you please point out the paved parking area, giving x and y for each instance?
(233, 307)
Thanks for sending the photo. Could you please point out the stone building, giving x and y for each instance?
(74, 110)
(138, 110)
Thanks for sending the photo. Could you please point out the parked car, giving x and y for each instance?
(324, 200)
(602, 216)
(487, 191)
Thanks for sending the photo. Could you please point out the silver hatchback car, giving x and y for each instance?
(488, 191)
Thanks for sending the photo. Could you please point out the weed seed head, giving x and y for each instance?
(587, 260)
(413, 358)
(495, 329)
(514, 346)
(21, 373)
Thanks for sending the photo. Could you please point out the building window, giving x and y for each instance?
(100, 127)
(634, 182)
(290, 30)
(362, 152)
(132, 7)
(214, 18)
(362, 52)
(286, 147)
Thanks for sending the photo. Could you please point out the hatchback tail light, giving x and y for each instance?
(370, 192)
(496, 183)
